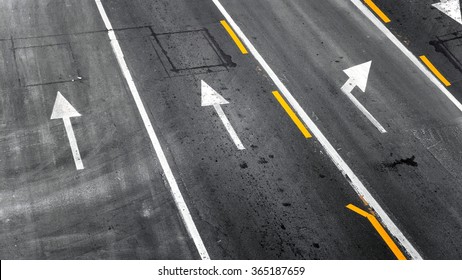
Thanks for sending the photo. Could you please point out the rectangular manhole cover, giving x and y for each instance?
(38, 65)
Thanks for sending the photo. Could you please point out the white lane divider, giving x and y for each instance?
(405, 51)
(351, 177)
(212, 98)
(175, 190)
(358, 76)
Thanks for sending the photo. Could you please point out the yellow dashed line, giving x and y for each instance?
(434, 70)
(292, 115)
(234, 37)
(377, 11)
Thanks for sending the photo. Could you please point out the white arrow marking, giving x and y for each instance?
(358, 76)
(451, 8)
(211, 98)
(64, 110)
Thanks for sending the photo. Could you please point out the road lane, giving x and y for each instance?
(357, 77)
(159, 152)
(118, 206)
(279, 198)
(328, 36)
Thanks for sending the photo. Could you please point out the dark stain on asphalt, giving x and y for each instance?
(406, 161)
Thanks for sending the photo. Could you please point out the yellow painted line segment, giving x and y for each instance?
(379, 228)
(377, 10)
(292, 114)
(358, 210)
(234, 37)
(383, 233)
(434, 70)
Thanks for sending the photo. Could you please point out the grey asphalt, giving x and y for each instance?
(281, 198)
(427, 31)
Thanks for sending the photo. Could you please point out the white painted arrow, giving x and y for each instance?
(64, 110)
(451, 8)
(358, 76)
(211, 98)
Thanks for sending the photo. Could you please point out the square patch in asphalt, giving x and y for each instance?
(190, 52)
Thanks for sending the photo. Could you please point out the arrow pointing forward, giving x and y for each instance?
(211, 98)
(64, 110)
(451, 8)
(358, 76)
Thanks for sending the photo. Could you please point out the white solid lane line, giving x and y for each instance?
(351, 177)
(175, 190)
(406, 52)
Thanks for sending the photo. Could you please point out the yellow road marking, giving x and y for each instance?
(358, 210)
(377, 11)
(379, 228)
(292, 115)
(434, 70)
(234, 37)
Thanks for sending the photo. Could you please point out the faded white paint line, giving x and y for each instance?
(212, 98)
(175, 190)
(354, 181)
(358, 76)
(406, 52)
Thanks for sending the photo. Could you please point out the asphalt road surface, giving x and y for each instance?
(108, 193)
